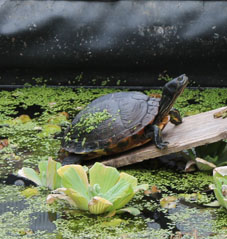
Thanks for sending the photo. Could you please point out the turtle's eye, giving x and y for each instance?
(182, 80)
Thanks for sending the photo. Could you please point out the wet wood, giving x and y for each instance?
(195, 130)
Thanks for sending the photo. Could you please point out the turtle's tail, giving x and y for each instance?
(72, 159)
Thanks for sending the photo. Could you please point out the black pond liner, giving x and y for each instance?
(32, 111)
(161, 221)
(12, 179)
(124, 43)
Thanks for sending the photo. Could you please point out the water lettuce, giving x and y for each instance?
(47, 176)
(220, 185)
(207, 157)
(106, 191)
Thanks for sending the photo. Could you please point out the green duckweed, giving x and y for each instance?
(28, 144)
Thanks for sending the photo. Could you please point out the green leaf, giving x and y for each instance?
(132, 210)
(72, 179)
(215, 153)
(105, 177)
(212, 150)
(212, 204)
(43, 172)
(223, 157)
(98, 205)
(132, 180)
(120, 194)
(81, 172)
(53, 180)
(51, 198)
(111, 213)
(78, 199)
(204, 165)
(213, 159)
(48, 173)
(220, 198)
(94, 191)
(30, 174)
(47, 177)
(220, 189)
(109, 190)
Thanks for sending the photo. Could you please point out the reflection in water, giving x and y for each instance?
(40, 221)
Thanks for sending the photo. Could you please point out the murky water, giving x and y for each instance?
(22, 217)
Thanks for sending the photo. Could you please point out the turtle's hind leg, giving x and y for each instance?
(72, 159)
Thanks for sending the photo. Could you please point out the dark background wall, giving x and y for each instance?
(113, 42)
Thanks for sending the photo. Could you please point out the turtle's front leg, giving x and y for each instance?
(175, 117)
(154, 132)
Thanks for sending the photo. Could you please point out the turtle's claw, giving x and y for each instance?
(162, 145)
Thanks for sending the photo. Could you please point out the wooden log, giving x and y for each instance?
(195, 130)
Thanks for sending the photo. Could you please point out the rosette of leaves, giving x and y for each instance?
(220, 185)
(106, 191)
(47, 175)
(207, 157)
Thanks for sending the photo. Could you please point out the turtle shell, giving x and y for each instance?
(107, 123)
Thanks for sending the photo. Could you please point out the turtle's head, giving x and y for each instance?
(171, 91)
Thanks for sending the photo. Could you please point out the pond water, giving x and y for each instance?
(30, 120)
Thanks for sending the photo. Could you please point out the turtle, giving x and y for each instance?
(120, 121)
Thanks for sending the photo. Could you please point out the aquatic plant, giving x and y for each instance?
(220, 185)
(209, 156)
(108, 190)
(47, 176)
